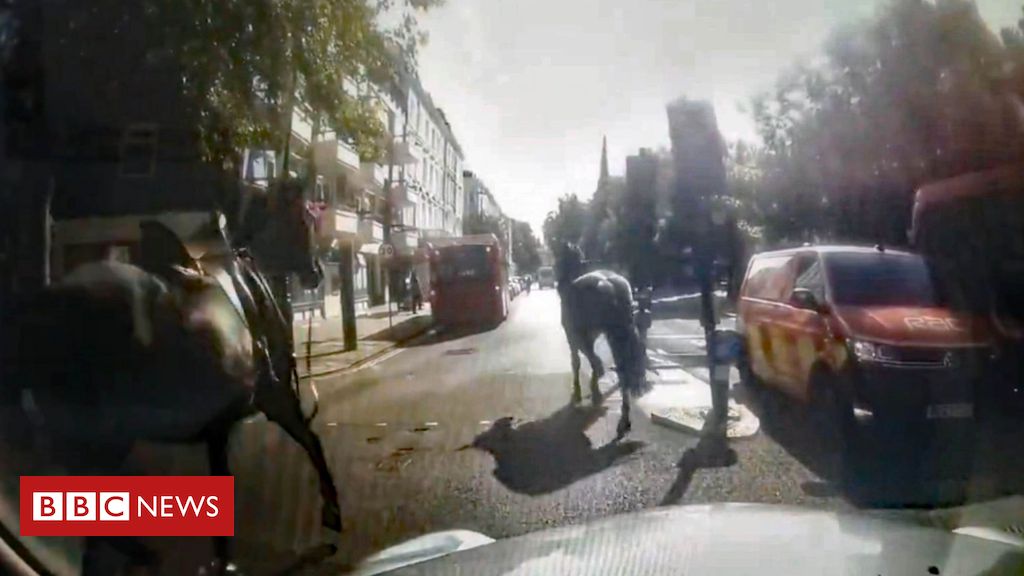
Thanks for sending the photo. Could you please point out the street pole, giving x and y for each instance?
(717, 421)
(348, 299)
(389, 207)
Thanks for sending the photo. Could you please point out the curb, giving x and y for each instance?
(366, 359)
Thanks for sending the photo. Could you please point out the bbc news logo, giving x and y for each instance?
(127, 506)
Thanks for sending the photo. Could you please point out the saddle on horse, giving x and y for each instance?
(208, 255)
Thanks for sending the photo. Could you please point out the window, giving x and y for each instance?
(809, 276)
(766, 278)
(866, 279)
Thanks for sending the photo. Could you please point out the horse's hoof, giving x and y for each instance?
(330, 517)
(623, 428)
(577, 397)
(595, 397)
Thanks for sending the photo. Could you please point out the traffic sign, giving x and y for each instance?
(387, 250)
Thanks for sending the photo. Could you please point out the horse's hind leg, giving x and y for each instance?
(574, 352)
(624, 355)
(282, 407)
(217, 453)
(625, 425)
(596, 368)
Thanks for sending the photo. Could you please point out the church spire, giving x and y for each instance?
(603, 178)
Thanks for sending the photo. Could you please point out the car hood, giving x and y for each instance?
(727, 539)
(914, 326)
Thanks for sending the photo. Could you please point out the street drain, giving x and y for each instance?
(460, 352)
(373, 439)
(421, 429)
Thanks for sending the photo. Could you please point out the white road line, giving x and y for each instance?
(383, 357)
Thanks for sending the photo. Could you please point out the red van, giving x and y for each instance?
(844, 327)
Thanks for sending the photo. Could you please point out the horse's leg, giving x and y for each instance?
(624, 423)
(574, 352)
(621, 351)
(84, 457)
(281, 406)
(596, 367)
(217, 455)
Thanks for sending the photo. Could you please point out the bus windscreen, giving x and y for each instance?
(464, 263)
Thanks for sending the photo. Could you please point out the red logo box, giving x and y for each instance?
(127, 506)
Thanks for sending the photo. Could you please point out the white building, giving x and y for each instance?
(435, 209)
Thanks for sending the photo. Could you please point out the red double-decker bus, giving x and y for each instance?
(468, 280)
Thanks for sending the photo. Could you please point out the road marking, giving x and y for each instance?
(381, 424)
(383, 357)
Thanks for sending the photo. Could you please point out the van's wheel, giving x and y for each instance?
(833, 420)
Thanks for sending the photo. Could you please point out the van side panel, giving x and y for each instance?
(759, 307)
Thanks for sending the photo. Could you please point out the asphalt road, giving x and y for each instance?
(476, 431)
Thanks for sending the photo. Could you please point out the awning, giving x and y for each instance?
(370, 248)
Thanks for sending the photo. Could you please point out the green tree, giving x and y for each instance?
(241, 66)
(917, 93)
(566, 225)
(525, 248)
(484, 224)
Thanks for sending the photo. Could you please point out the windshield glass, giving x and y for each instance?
(464, 263)
(400, 267)
(880, 280)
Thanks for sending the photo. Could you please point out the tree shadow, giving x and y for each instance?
(543, 456)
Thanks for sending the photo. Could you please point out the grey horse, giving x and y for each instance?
(175, 350)
(596, 303)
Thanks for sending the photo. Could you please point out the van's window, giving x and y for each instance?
(865, 279)
(767, 278)
(811, 279)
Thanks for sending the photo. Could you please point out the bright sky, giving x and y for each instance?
(531, 86)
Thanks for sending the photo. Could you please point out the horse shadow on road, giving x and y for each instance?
(543, 456)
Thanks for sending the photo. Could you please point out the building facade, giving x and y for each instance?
(437, 209)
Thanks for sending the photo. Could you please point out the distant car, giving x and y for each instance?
(546, 277)
(845, 327)
(513, 287)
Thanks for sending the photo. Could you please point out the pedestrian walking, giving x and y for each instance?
(417, 297)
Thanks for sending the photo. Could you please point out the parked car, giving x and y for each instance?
(843, 328)
(545, 277)
(513, 287)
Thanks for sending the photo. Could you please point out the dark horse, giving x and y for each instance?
(595, 303)
(176, 350)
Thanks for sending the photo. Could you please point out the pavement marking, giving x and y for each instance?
(383, 357)
(485, 422)
(332, 423)
(381, 424)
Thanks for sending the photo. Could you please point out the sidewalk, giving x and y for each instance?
(375, 333)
